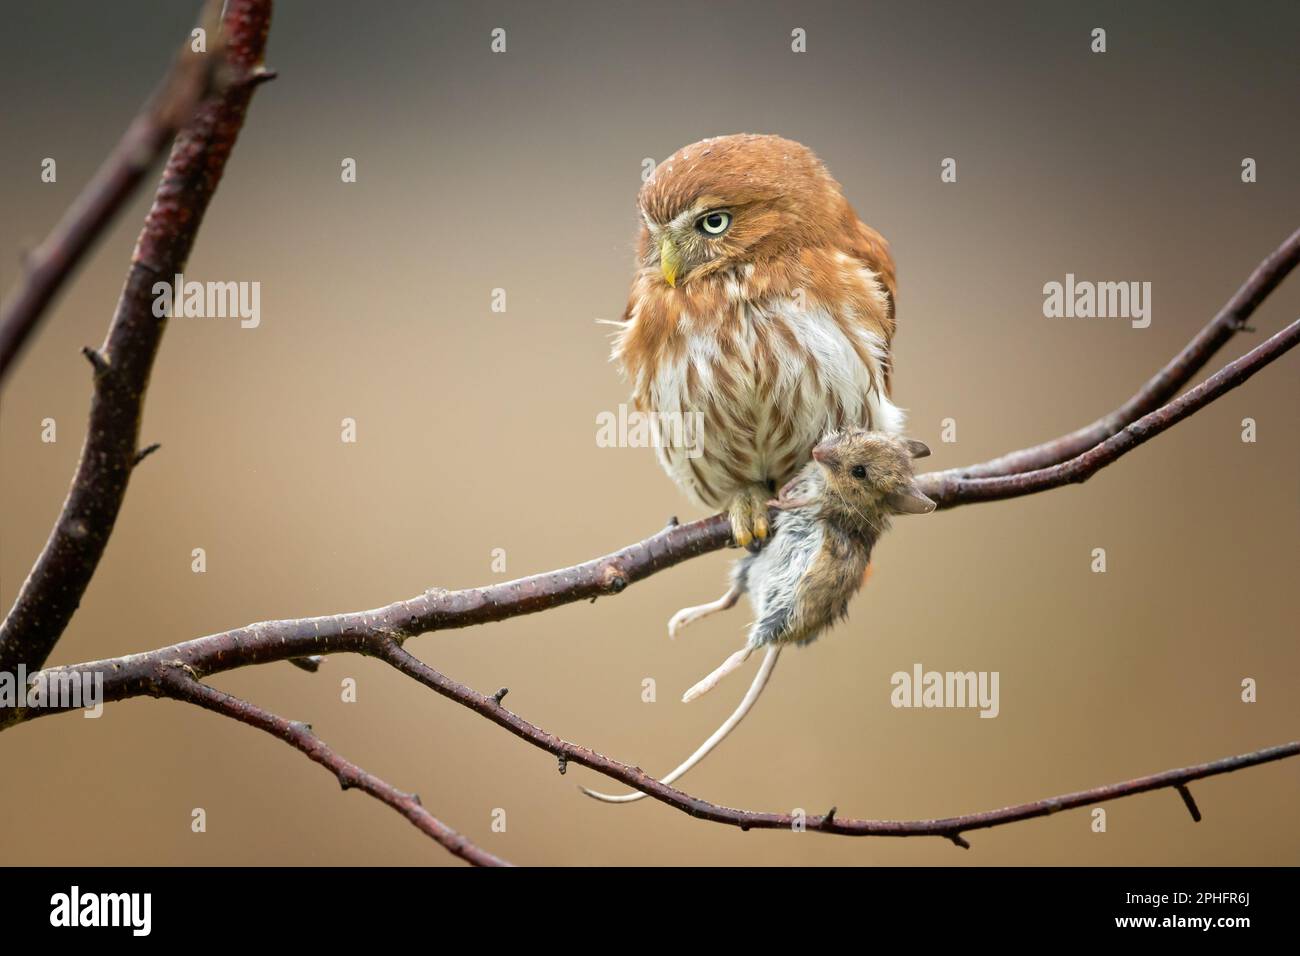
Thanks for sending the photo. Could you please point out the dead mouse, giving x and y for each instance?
(831, 515)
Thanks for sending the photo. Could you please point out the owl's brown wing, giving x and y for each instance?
(870, 248)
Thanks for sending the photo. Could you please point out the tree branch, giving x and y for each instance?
(1232, 318)
(948, 827)
(54, 588)
(48, 267)
(176, 682)
(164, 681)
(949, 490)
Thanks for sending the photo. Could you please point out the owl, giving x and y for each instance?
(762, 311)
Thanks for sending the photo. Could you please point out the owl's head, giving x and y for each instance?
(737, 199)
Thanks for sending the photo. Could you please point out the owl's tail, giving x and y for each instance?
(746, 705)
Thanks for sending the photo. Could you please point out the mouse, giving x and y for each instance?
(829, 518)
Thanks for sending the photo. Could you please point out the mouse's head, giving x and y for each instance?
(867, 476)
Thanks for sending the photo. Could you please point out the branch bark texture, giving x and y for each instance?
(122, 365)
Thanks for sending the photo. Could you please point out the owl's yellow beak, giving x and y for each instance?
(669, 260)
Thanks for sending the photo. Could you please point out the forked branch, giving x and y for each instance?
(122, 365)
(48, 267)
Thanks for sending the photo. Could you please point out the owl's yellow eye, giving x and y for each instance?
(714, 223)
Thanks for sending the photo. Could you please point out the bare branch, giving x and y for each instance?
(948, 490)
(53, 589)
(949, 827)
(1231, 319)
(165, 682)
(177, 683)
(355, 632)
(50, 264)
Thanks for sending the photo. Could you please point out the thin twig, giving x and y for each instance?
(49, 266)
(178, 684)
(53, 589)
(1190, 802)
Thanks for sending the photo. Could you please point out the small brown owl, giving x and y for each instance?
(762, 305)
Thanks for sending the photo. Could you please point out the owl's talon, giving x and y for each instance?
(748, 514)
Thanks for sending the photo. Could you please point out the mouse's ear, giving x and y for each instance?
(909, 501)
(919, 449)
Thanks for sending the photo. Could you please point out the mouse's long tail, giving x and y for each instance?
(746, 705)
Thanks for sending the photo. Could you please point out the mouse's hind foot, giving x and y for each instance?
(689, 615)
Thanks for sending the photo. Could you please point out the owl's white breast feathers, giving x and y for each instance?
(770, 382)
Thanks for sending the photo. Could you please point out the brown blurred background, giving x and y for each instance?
(476, 430)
